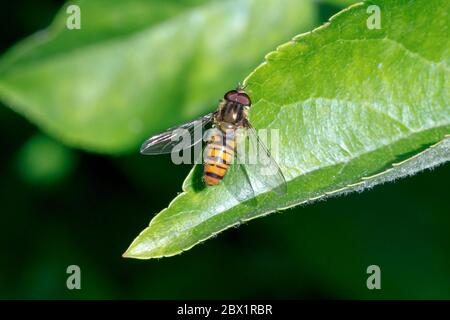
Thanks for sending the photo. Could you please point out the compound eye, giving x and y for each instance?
(243, 99)
(231, 95)
(239, 97)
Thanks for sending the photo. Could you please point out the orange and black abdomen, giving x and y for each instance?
(219, 154)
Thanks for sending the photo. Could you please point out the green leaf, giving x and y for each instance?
(136, 67)
(355, 107)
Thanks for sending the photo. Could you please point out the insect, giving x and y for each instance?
(230, 118)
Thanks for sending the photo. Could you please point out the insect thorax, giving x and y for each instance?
(230, 116)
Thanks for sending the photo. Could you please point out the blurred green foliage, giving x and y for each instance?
(43, 161)
(136, 67)
(314, 251)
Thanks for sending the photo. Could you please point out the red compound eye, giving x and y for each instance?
(238, 96)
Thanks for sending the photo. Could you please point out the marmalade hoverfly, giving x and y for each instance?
(230, 118)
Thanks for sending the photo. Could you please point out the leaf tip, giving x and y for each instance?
(134, 251)
(128, 253)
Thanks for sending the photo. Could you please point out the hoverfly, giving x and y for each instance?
(230, 118)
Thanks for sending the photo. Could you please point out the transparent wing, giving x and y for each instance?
(261, 167)
(238, 184)
(191, 133)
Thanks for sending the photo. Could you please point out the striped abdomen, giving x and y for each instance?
(219, 154)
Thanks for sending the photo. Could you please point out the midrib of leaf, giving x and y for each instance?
(373, 106)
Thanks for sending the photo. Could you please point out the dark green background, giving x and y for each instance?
(88, 208)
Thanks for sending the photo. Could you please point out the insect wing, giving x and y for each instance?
(265, 170)
(191, 133)
(239, 185)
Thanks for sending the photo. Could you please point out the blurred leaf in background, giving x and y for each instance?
(43, 161)
(136, 67)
